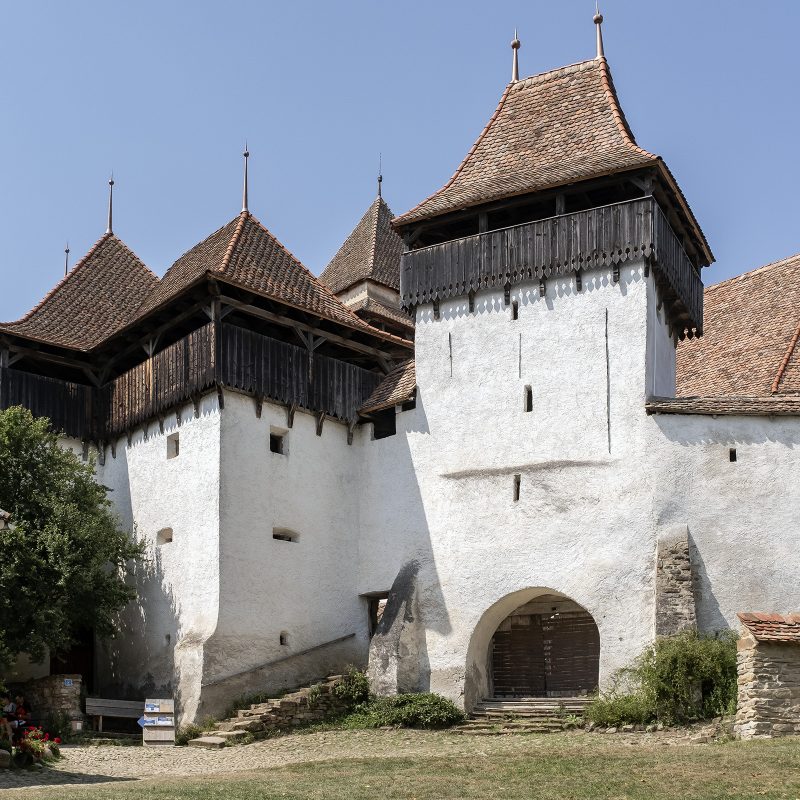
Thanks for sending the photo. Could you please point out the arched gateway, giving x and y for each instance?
(533, 643)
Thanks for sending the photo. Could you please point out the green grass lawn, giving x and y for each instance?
(592, 767)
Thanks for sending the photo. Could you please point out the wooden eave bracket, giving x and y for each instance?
(351, 426)
(320, 415)
(290, 412)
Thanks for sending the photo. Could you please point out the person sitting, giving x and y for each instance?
(23, 715)
(9, 714)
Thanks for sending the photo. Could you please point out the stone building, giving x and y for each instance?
(557, 468)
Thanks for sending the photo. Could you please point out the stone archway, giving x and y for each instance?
(533, 643)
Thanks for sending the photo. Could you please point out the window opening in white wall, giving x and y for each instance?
(732, 454)
(284, 535)
(514, 309)
(517, 482)
(173, 445)
(528, 398)
(164, 536)
(284, 638)
(276, 443)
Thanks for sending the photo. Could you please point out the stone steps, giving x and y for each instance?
(499, 716)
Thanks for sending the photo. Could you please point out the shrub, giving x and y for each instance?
(677, 679)
(425, 710)
(187, 732)
(353, 689)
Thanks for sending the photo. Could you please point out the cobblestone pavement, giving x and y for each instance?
(83, 765)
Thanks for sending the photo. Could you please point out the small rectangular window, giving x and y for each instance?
(276, 443)
(732, 454)
(514, 309)
(384, 423)
(284, 639)
(164, 536)
(173, 445)
(283, 535)
(517, 482)
(528, 398)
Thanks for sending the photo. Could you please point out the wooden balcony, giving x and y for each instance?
(568, 244)
(237, 359)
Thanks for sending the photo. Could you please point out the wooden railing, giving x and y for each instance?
(246, 362)
(597, 237)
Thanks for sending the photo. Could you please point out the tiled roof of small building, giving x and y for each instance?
(750, 345)
(772, 627)
(725, 405)
(371, 306)
(549, 130)
(371, 252)
(246, 254)
(101, 294)
(397, 387)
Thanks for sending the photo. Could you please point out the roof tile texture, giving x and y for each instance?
(371, 252)
(100, 295)
(772, 627)
(726, 405)
(549, 130)
(397, 387)
(750, 342)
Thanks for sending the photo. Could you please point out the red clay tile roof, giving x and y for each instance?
(726, 405)
(549, 130)
(750, 342)
(246, 254)
(397, 387)
(101, 294)
(374, 307)
(371, 252)
(772, 627)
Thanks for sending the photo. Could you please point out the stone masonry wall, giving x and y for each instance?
(675, 601)
(52, 695)
(769, 689)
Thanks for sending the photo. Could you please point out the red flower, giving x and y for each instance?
(47, 737)
(57, 740)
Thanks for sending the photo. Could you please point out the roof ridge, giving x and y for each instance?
(786, 359)
(374, 235)
(744, 275)
(237, 233)
(552, 74)
(66, 278)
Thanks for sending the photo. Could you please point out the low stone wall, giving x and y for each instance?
(675, 601)
(52, 695)
(769, 689)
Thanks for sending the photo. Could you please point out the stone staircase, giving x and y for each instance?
(300, 707)
(497, 716)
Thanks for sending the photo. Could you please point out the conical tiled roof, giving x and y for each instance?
(100, 295)
(552, 129)
(750, 336)
(246, 254)
(371, 252)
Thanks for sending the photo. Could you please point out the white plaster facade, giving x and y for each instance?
(600, 483)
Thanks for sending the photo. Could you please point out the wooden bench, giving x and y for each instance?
(98, 708)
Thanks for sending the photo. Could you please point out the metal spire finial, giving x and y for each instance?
(380, 172)
(246, 154)
(515, 45)
(110, 228)
(66, 260)
(598, 21)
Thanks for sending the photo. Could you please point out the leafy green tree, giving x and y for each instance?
(64, 561)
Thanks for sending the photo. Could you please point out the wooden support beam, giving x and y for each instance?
(578, 281)
(290, 410)
(542, 287)
(320, 422)
(259, 398)
(220, 396)
(351, 426)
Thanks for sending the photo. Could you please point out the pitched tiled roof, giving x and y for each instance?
(773, 627)
(100, 295)
(374, 307)
(371, 252)
(246, 254)
(397, 387)
(750, 342)
(726, 405)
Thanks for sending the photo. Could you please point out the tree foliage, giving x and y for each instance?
(63, 563)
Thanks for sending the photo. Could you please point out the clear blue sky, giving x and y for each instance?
(164, 93)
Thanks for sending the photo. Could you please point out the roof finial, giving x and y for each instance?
(380, 172)
(515, 64)
(66, 260)
(598, 21)
(246, 154)
(110, 228)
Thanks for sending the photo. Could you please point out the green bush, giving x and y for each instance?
(425, 710)
(677, 679)
(187, 732)
(353, 689)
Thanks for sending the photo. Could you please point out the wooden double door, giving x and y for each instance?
(546, 655)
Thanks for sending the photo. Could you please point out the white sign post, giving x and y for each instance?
(158, 722)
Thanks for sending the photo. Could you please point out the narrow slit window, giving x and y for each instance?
(284, 639)
(732, 454)
(514, 309)
(528, 398)
(173, 445)
(517, 482)
(284, 535)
